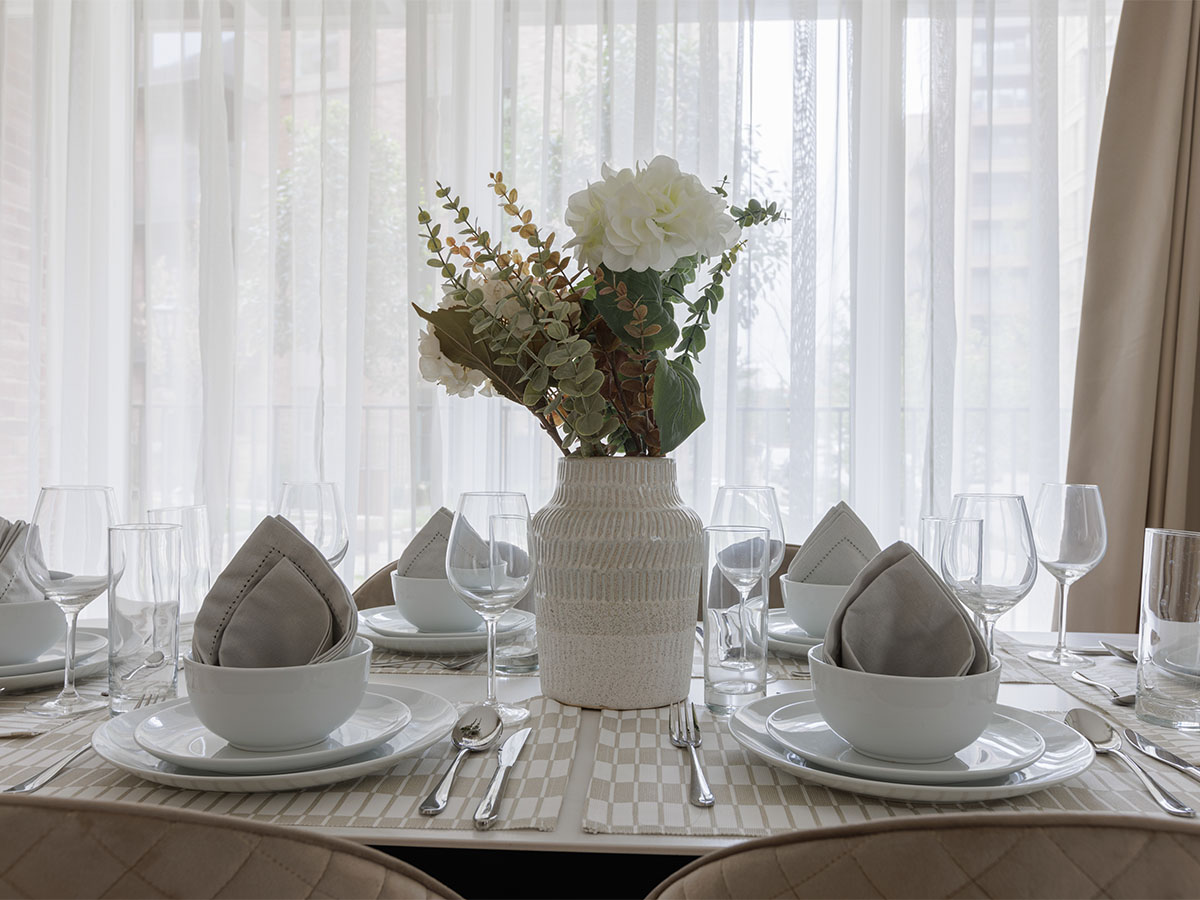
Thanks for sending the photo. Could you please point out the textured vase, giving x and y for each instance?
(617, 580)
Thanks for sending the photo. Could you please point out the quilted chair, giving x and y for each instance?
(54, 847)
(975, 855)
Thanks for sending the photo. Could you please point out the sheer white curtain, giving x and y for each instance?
(209, 248)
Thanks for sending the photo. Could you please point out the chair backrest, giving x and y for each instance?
(55, 847)
(974, 855)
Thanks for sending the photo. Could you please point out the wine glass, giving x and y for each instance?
(743, 558)
(991, 576)
(315, 508)
(1071, 537)
(489, 565)
(754, 506)
(66, 556)
(195, 561)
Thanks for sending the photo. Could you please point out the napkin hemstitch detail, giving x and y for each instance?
(428, 544)
(849, 541)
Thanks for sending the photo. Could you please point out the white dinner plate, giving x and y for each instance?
(1067, 755)
(432, 719)
(175, 734)
(1005, 746)
(786, 638)
(96, 664)
(87, 645)
(391, 630)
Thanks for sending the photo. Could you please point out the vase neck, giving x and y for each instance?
(617, 482)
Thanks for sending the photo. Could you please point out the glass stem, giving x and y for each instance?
(68, 690)
(491, 642)
(1062, 617)
(743, 599)
(989, 634)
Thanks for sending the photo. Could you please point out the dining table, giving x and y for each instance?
(592, 785)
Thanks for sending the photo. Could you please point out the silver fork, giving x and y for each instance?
(685, 732)
(451, 665)
(41, 778)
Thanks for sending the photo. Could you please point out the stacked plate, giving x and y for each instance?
(387, 627)
(47, 669)
(785, 637)
(1020, 752)
(167, 744)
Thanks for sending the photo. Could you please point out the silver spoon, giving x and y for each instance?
(1118, 699)
(153, 661)
(476, 730)
(1119, 652)
(1105, 739)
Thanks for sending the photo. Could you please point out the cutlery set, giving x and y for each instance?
(476, 731)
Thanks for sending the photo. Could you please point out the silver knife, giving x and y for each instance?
(488, 812)
(1163, 756)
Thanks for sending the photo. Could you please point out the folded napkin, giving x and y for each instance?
(836, 551)
(278, 603)
(425, 555)
(899, 618)
(15, 584)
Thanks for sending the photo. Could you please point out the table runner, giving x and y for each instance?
(389, 799)
(400, 662)
(640, 781)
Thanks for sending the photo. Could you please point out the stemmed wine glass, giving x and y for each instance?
(1068, 525)
(315, 508)
(66, 555)
(757, 506)
(489, 565)
(991, 567)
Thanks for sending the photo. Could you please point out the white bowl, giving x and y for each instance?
(279, 708)
(811, 606)
(432, 605)
(29, 629)
(900, 718)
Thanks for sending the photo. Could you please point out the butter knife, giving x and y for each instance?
(488, 812)
(1163, 756)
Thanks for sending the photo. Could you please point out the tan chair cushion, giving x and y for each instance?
(75, 848)
(376, 590)
(974, 855)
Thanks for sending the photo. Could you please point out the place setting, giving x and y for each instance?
(903, 702)
(279, 696)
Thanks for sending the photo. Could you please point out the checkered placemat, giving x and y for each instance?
(1017, 667)
(639, 785)
(532, 798)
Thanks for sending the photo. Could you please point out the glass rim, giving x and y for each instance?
(1078, 484)
(76, 487)
(746, 487)
(728, 528)
(977, 494)
(186, 506)
(491, 494)
(146, 526)
(1173, 532)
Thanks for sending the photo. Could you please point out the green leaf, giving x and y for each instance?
(677, 408)
(452, 328)
(645, 288)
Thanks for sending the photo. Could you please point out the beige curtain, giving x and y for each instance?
(1135, 414)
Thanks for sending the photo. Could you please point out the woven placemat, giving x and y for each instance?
(532, 800)
(639, 785)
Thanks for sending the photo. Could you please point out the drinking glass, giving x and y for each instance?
(315, 508)
(931, 538)
(1069, 530)
(1168, 672)
(754, 506)
(489, 565)
(71, 568)
(143, 614)
(994, 575)
(735, 632)
(195, 553)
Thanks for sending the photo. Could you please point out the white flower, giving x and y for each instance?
(457, 380)
(648, 219)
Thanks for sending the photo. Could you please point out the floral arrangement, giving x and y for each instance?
(592, 350)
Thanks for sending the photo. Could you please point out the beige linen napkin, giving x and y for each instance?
(278, 603)
(899, 618)
(15, 584)
(836, 551)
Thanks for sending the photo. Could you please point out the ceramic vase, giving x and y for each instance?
(617, 582)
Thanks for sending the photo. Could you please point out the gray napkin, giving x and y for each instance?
(15, 585)
(899, 618)
(278, 603)
(836, 551)
(425, 555)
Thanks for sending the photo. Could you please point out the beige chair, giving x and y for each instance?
(975, 855)
(78, 848)
(376, 590)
